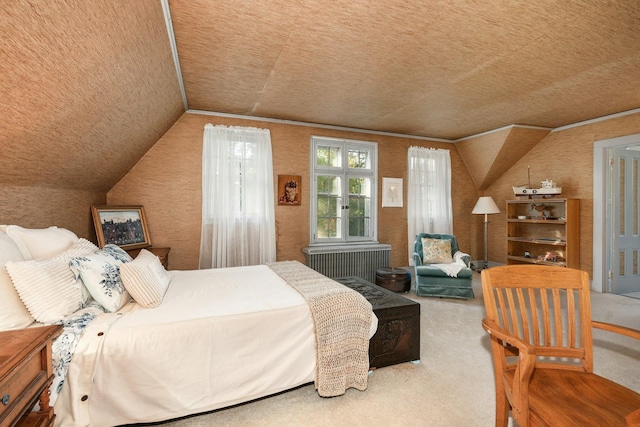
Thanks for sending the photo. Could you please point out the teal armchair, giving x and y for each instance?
(431, 279)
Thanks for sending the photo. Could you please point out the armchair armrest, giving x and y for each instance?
(464, 257)
(523, 369)
(495, 330)
(417, 259)
(623, 330)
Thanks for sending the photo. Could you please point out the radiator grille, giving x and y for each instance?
(361, 261)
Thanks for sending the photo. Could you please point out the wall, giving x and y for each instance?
(566, 157)
(167, 181)
(40, 207)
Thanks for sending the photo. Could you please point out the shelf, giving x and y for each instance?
(539, 200)
(537, 221)
(539, 241)
(535, 261)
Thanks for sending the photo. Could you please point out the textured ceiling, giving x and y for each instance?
(89, 86)
(436, 68)
(86, 88)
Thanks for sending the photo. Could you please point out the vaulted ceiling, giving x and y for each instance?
(438, 68)
(89, 86)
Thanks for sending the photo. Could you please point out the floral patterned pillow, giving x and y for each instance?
(100, 274)
(436, 251)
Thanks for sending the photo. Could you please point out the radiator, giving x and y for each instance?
(342, 261)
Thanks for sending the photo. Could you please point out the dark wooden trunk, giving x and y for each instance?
(397, 339)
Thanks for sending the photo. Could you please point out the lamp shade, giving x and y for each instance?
(485, 205)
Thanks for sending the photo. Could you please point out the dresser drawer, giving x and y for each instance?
(25, 373)
(22, 385)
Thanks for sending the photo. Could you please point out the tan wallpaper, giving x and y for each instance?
(41, 207)
(566, 157)
(167, 181)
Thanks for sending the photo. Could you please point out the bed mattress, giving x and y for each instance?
(220, 337)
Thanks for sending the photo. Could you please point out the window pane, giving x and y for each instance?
(359, 159)
(329, 206)
(328, 156)
(359, 207)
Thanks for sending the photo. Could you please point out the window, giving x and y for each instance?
(238, 220)
(343, 199)
(429, 208)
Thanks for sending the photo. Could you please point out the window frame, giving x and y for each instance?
(345, 173)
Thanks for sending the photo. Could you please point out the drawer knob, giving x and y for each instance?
(5, 399)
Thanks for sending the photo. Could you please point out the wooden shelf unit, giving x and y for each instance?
(555, 229)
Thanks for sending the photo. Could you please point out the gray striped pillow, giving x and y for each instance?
(145, 279)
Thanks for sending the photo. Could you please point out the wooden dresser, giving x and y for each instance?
(162, 253)
(25, 376)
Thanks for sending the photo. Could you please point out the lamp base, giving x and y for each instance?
(480, 265)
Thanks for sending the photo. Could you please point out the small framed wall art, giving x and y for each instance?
(391, 192)
(289, 189)
(125, 226)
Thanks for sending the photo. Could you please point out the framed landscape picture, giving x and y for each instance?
(125, 226)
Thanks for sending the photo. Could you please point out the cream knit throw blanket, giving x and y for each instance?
(342, 320)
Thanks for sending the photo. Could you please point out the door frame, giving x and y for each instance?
(599, 282)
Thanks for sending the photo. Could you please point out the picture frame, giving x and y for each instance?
(125, 226)
(392, 193)
(289, 190)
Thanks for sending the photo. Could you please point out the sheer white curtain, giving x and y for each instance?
(238, 216)
(428, 193)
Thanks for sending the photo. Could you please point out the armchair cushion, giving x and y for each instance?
(435, 271)
(436, 251)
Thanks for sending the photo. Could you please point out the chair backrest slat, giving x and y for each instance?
(545, 317)
(535, 321)
(522, 308)
(557, 317)
(571, 324)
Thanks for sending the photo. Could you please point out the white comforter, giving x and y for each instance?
(220, 337)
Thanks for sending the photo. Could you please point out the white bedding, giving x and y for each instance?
(220, 337)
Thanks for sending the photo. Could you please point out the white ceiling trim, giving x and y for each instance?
(318, 125)
(597, 119)
(501, 129)
(174, 50)
(401, 135)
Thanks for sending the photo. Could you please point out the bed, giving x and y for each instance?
(195, 341)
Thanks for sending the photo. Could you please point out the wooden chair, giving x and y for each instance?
(539, 321)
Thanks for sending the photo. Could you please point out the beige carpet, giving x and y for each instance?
(451, 386)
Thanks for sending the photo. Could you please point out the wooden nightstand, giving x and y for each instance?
(162, 253)
(25, 375)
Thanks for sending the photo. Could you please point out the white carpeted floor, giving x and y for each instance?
(452, 385)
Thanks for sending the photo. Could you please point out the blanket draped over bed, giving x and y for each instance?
(342, 320)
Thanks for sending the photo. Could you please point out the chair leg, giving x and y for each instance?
(502, 409)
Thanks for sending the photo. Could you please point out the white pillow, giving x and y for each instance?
(13, 313)
(41, 243)
(145, 279)
(100, 274)
(48, 287)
